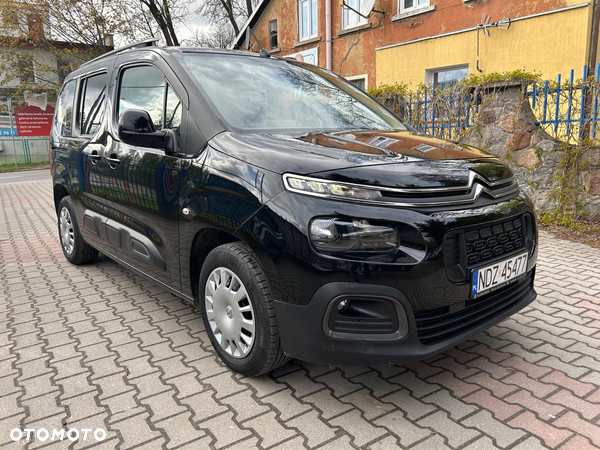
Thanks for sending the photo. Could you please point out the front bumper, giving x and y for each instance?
(305, 333)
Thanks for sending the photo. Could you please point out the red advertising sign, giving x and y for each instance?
(33, 121)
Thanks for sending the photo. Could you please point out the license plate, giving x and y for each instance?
(498, 274)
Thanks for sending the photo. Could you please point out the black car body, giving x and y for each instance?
(370, 240)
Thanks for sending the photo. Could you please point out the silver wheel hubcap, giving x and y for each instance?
(67, 235)
(229, 312)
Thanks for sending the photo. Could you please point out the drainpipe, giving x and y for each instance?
(328, 33)
(594, 38)
(592, 60)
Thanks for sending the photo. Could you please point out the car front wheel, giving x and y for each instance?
(238, 310)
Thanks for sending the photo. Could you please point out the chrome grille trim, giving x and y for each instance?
(473, 176)
(476, 186)
(479, 189)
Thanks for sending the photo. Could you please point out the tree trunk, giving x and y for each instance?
(229, 8)
(160, 20)
(169, 21)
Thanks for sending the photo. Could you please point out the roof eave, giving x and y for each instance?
(250, 22)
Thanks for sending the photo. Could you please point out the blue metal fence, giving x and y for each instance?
(568, 111)
(440, 111)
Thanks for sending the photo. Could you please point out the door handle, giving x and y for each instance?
(113, 160)
(94, 156)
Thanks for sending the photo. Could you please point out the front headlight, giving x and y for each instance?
(324, 188)
(352, 236)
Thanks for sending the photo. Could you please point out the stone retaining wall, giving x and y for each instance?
(506, 127)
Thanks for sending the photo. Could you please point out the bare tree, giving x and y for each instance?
(234, 12)
(218, 36)
(165, 13)
(41, 40)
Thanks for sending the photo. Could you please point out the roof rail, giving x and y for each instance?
(139, 44)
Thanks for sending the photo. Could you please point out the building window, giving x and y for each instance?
(273, 34)
(26, 69)
(350, 18)
(359, 81)
(446, 77)
(412, 5)
(307, 19)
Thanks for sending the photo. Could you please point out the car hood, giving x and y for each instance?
(394, 159)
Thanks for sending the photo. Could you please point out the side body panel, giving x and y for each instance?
(78, 168)
(142, 194)
(221, 193)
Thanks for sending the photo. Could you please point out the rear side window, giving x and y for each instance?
(143, 88)
(63, 119)
(91, 107)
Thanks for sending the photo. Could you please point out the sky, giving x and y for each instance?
(195, 23)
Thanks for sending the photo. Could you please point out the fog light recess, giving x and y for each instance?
(359, 315)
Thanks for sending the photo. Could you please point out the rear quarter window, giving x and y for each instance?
(91, 103)
(63, 119)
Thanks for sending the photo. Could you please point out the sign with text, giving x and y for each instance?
(7, 123)
(7, 132)
(32, 120)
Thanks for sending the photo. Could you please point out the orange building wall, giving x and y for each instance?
(354, 53)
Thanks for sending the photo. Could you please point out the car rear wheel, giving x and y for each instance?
(238, 311)
(75, 249)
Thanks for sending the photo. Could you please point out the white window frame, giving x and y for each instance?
(347, 13)
(311, 33)
(416, 7)
(430, 73)
(276, 33)
(360, 77)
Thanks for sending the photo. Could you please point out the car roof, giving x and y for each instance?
(141, 47)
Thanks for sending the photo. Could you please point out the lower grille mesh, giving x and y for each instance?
(437, 325)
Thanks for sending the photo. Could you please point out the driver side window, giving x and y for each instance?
(143, 88)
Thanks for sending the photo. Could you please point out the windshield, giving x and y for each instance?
(272, 94)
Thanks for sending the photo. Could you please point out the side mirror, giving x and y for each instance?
(136, 128)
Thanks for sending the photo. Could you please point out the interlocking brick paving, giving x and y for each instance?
(98, 346)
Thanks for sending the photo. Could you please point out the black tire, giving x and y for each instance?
(75, 249)
(265, 353)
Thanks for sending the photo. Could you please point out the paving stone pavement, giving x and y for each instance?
(99, 347)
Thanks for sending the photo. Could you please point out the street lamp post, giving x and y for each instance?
(12, 134)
